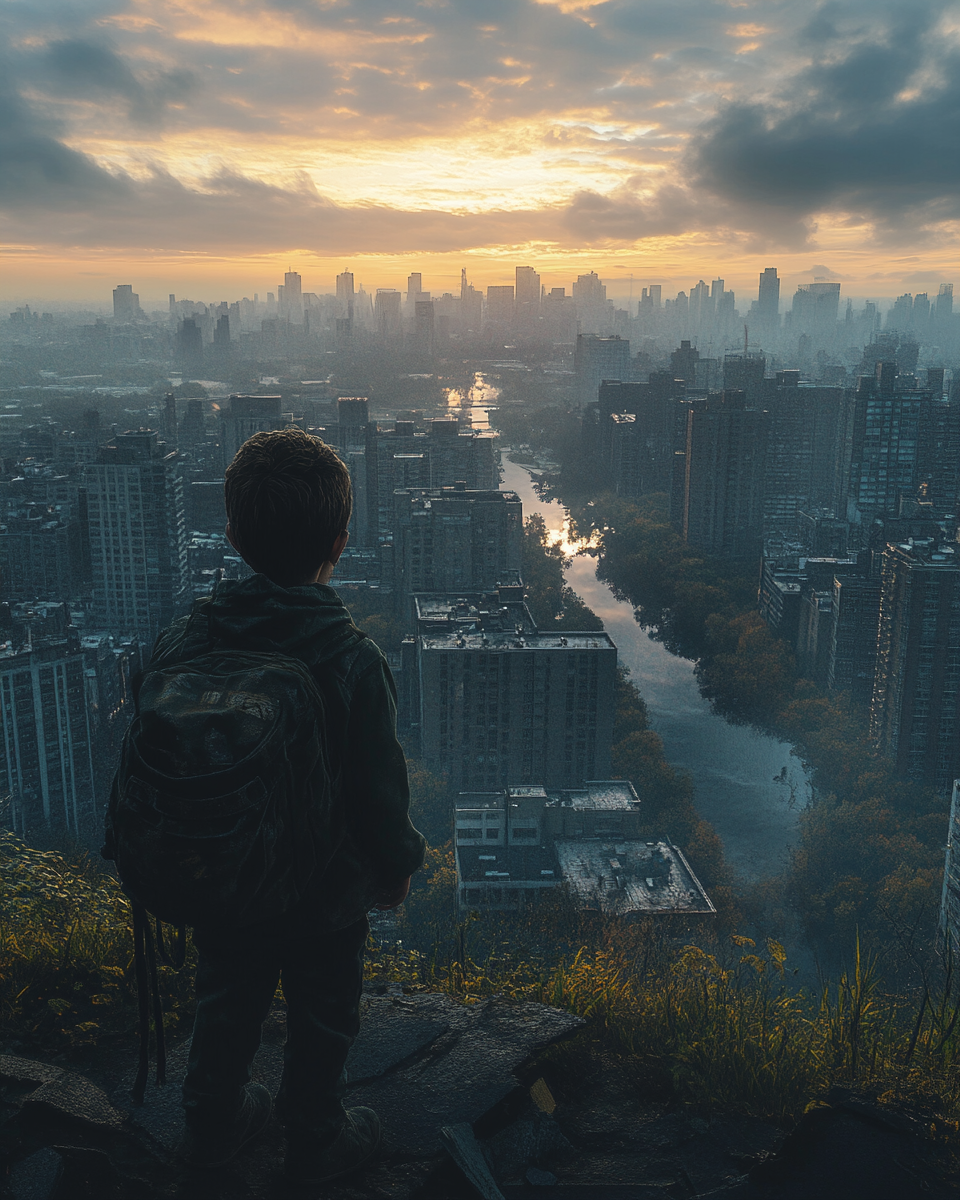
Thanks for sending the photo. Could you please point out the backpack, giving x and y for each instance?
(222, 808)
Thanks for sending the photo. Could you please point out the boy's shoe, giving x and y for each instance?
(198, 1150)
(355, 1144)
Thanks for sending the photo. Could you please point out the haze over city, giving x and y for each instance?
(206, 148)
(480, 546)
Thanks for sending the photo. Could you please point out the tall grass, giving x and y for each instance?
(66, 951)
(716, 1028)
(732, 1036)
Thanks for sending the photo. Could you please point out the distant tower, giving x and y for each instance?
(126, 303)
(768, 302)
(725, 462)
(170, 418)
(915, 714)
(138, 548)
(387, 313)
(527, 298)
(292, 303)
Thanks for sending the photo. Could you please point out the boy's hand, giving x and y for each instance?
(394, 898)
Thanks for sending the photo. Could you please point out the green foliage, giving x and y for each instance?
(667, 797)
(431, 804)
(552, 602)
(720, 1028)
(871, 845)
(66, 951)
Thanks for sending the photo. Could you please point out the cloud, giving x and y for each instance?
(378, 125)
(819, 271)
(81, 69)
(39, 173)
(871, 127)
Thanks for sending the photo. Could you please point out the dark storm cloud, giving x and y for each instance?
(39, 171)
(875, 129)
(85, 70)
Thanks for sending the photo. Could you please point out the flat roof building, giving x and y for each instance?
(516, 843)
(489, 698)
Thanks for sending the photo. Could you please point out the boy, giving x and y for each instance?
(288, 504)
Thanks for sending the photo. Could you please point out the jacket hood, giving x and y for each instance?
(309, 622)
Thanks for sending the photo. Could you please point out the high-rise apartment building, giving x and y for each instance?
(454, 539)
(126, 303)
(387, 316)
(915, 712)
(47, 750)
(893, 444)
(135, 518)
(637, 433)
(401, 458)
(64, 705)
(768, 305)
(598, 358)
(488, 698)
(745, 373)
(291, 299)
(243, 416)
(724, 475)
(804, 448)
(853, 654)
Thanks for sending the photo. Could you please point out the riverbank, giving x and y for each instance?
(748, 785)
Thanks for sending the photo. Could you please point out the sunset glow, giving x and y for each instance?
(205, 145)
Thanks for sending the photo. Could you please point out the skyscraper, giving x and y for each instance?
(816, 307)
(725, 461)
(345, 295)
(768, 306)
(527, 298)
(889, 443)
(915, 713)
(387, 315)
(494, 699)
(501, 306)
(126, 303)
(138, 551)
(598, 358)
(243, 416)
(291, 304)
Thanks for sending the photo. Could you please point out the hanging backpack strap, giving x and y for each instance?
(148, 989)
(157, 1006)
(141, 930)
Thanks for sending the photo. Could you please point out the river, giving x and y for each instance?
(748, 785)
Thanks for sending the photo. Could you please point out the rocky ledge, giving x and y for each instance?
(468, 1111)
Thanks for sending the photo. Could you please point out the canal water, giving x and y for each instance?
(748, 785)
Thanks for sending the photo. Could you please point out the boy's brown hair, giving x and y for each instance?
(288, 499)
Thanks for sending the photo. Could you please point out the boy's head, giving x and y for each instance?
(288, 503)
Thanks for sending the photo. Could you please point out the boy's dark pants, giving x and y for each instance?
(322, 978)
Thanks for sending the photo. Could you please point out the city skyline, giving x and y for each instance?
(194, 146)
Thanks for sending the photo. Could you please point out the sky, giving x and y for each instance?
(204, 147)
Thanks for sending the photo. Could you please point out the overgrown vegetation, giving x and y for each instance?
(870, 856)
(706, 1021)
(721, 1028)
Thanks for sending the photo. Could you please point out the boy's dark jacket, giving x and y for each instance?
(379, 847)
